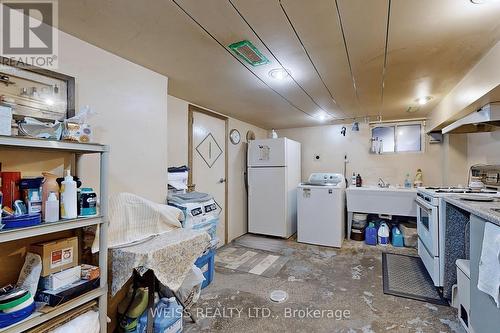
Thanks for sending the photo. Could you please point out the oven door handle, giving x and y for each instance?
(424, 204)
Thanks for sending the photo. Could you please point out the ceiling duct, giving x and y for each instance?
(486, 119)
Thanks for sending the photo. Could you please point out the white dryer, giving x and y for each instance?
(321, 210)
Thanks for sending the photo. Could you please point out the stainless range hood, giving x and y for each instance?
(486, 119)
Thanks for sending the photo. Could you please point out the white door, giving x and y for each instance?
(208, 162)
(267, 201)
(267, 152)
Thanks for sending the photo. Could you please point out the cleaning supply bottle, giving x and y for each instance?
(418, 182)
(371, 234)
(353, 179)
(383, 234)
(34, 203)
(397, 237)
(52, 208)
(407, 181)
(68, 197)
(359, 181)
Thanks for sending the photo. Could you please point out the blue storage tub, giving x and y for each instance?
(21, 221)
(207, 265)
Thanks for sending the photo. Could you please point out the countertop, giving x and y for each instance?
(478, 208)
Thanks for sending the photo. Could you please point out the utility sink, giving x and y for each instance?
(382, 200)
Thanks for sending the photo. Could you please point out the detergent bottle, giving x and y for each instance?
(383, 234)
(397, 237)
(371, 234)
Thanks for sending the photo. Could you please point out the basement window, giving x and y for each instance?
(400, 137)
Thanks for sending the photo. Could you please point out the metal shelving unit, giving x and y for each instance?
(29, 144)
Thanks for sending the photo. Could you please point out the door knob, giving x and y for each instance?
(222, 180)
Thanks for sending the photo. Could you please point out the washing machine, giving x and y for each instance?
(321, 210)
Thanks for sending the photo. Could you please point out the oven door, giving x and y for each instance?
(428, 226)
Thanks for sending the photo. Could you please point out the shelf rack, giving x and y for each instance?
(30, 144)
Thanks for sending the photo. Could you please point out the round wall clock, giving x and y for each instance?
(235, 136)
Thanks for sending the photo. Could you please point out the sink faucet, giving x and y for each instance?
(382, 183)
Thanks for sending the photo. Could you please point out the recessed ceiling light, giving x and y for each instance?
(279, 73)
(322, 116)
(423, 100)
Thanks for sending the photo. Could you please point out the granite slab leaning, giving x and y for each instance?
(170, 255)
(478, 208)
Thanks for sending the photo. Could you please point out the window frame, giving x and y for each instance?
(395, 124)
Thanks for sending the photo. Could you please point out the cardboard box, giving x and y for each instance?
(61, 279)
(60, 296)
(90, 272)
(57, 255)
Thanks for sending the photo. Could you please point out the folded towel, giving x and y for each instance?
(489, 265)
(177, 184)
(181, 176)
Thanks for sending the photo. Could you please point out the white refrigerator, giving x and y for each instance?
(273, 177)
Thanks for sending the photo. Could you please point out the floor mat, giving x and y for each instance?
(250, 261)
(406, 276)
(262, 243)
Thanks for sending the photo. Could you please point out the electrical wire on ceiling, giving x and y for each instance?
(240, 61)
(344, 39)
(307, 53)
(281, 65)
(384, 68)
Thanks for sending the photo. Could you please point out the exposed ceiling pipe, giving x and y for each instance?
(277, 60)
(240, 61)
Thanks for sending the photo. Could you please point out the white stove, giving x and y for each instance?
(431, 217)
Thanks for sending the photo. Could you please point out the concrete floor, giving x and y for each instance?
(344, 286)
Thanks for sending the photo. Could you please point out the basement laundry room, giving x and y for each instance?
(250, 166)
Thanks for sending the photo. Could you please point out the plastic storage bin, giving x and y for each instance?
(21, 221)
(167, 317)
(207, 265)
(410, 235)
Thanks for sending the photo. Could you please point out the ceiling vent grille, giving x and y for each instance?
(248, 52)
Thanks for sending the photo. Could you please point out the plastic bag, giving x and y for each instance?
(83, 116)
(30, 273)
(190, 289)
(77, 128)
